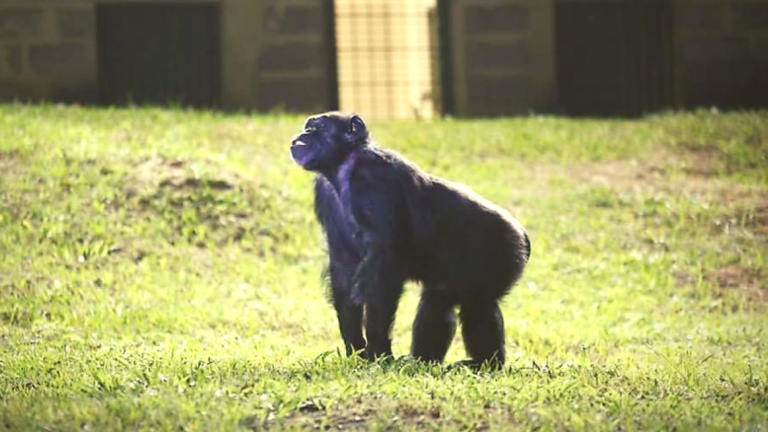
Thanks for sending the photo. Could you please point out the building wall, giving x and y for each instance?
(722, 53)
(502, 56)
(274, 54)
(277, 54)
(296, 61)
(47, 50)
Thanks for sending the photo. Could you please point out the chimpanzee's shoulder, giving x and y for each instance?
(380, 168)
(383, 158)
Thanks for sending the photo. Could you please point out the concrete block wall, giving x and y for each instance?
(296, 63)
(503, 56)
(47, 50)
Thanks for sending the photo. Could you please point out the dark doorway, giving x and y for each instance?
(614, 58)
(159, 54)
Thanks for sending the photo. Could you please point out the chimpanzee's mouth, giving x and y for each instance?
(301, 152)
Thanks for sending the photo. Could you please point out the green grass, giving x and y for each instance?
(160, 269)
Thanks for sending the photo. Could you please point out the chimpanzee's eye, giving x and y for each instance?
(312, 126)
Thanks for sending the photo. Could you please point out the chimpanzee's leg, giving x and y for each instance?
(350, 315)
(380, 308)
(433, 328)
(482, 327)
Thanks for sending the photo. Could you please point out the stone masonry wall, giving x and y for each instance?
(295, 62)
(47, 50)
(503, 56)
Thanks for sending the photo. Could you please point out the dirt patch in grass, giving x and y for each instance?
(687, 168)
(389, 414)
(756, 218)
(651, 175)
(702, 160)
(720, 207)
(362, 415)
(661, 175)
(351, 419)
(8, 154)
(749, 282)
(10, 163)
(180, 174)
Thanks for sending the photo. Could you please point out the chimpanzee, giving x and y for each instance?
(387, 221)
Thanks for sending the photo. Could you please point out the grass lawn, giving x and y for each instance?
(160, 270)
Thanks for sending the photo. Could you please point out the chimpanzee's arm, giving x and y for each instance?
(374, 208)
(378, 282)
(343, 262)
(328, 211)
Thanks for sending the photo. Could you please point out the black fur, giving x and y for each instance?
(387, 221)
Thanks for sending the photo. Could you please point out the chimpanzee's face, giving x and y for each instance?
(326, 140)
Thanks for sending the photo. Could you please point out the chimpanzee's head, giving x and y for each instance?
(327, 139)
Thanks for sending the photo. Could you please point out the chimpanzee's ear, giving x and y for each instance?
(357, 127)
